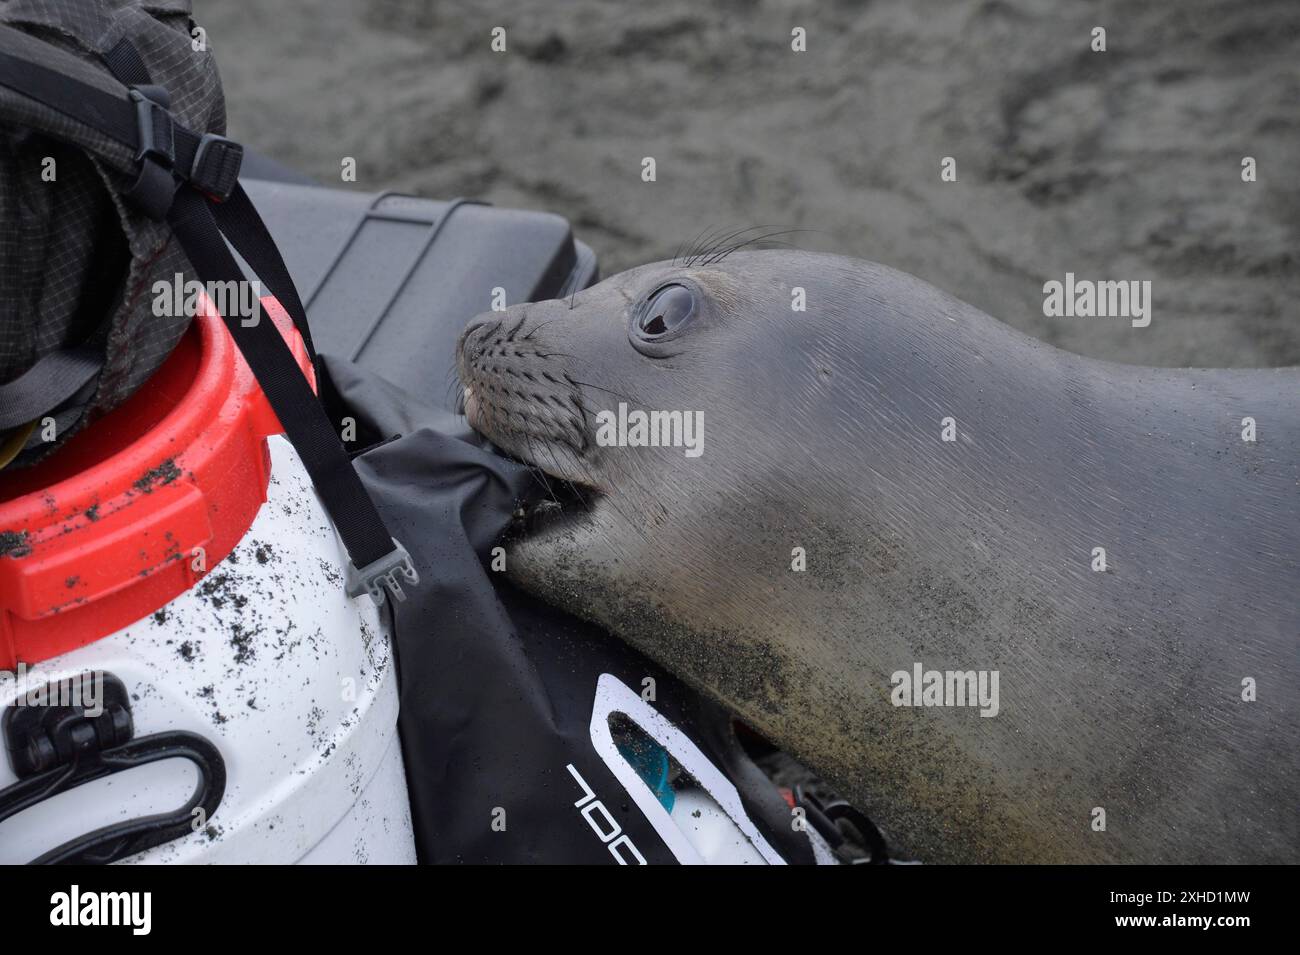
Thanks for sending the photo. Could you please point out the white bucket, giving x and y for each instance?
(293, 682)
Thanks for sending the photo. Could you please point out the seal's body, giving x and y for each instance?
(1157, 697)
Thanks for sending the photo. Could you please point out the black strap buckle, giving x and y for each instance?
(154, 124)
(155, 186)
(215, 171)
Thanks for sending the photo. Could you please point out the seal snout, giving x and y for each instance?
(518, 392)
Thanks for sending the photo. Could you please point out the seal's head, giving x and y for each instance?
(536, 377)
(700, 350)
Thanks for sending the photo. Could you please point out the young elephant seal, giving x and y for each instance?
(822, 548)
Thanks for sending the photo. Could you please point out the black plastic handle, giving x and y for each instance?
(119, 840)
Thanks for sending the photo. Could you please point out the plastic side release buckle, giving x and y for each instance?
(157, 137)
(215, 170)
(155, 186)
(373, 578)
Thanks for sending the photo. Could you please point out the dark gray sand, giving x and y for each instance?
(1117, 165)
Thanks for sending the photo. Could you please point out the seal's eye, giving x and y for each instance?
(668, 309)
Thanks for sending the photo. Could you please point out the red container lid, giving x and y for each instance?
(108, 530)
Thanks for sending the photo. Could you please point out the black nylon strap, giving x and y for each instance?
(300, 412)
(47, 384)
(125, 63)
(112, 115)
(214, 170)
(115, 116)
(238, 220)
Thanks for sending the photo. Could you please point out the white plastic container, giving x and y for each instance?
(293, 682)
(262, 654)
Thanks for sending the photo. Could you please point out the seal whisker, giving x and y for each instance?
(572, 486)
(703, 255)
(538, 327)
(518, 325)
(691, 245)
(688, 246)
(711, 241)
(455, 390)
(541, 474)
(719, 256)
(587, 384)
(635, 526)
(706, 243)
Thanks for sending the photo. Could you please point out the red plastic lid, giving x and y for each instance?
(108, 530)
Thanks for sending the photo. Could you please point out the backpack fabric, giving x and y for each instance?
(77, 260)
(127, 90)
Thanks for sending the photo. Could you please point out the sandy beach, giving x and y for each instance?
(1124, 164)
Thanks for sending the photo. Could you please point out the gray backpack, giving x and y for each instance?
(114, 173)
(77, 257)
